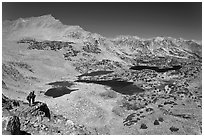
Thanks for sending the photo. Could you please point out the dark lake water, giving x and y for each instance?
(57, 92)
(96, 73)
(157, 69)
(60, 88)
(123, 87)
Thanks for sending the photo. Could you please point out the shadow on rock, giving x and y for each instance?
(24, 133)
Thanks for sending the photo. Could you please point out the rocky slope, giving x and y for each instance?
(125, 85)
(23, 119)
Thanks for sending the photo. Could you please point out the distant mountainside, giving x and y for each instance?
(48, 28)
(43, 27)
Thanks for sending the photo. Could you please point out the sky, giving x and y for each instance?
(145, 20)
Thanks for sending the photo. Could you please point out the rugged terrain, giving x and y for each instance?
(89, 84)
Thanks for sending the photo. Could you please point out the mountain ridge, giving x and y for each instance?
(50, 21)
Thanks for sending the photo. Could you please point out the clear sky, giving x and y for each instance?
(146, 20)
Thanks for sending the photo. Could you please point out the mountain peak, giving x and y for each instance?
(43, 27)
(47, 17)
(41, 21)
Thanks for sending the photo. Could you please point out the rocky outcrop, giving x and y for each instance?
(10, 124)
(46, 45)
(36, 119)
(38, 110)
(8, 103)
(70, 53)
(94, 65)
(92, 48)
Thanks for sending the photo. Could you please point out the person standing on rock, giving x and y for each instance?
(31, 98)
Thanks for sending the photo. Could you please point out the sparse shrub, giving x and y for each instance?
(174, 129)
(143, 126)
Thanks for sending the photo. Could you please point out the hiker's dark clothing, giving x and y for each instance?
(31, 98)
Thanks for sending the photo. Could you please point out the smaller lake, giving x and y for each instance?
(60, 88)
(57, 92)
(157, 69)
(123, 87)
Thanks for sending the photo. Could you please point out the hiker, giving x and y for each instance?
(31, 98)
